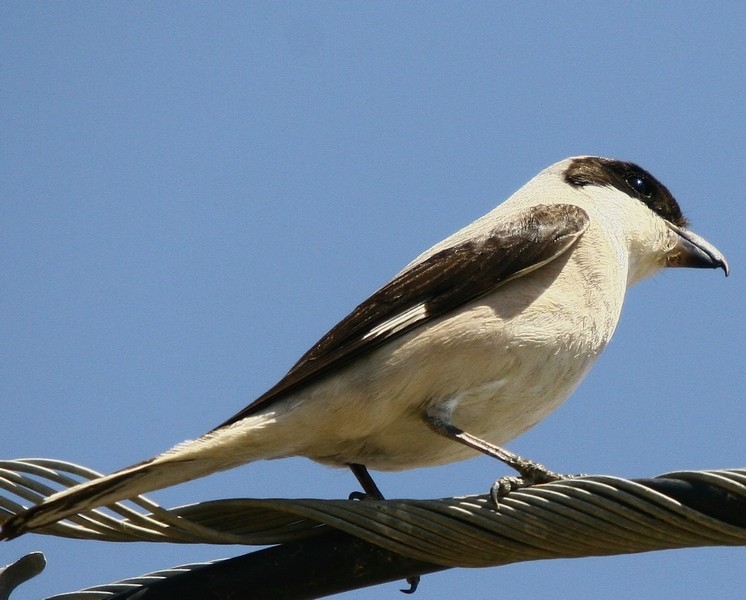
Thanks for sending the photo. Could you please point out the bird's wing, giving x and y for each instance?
(429, 289)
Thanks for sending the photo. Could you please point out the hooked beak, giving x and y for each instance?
(693, 251)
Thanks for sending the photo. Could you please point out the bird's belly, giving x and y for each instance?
(496, 411)
(498, 367)
(503, 393)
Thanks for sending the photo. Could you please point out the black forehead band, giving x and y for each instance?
(628, 178)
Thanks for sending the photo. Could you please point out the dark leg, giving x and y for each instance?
(366, 481)
(371, 491)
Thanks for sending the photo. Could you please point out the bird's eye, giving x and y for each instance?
(640, 185)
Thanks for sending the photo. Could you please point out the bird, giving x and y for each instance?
(475, 341)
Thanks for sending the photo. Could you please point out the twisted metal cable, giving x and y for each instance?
(588, 516)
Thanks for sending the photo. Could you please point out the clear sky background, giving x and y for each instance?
(193, 193)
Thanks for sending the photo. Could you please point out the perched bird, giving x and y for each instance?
(473, 343)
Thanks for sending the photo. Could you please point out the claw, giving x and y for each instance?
(503, 486)
(413, 582)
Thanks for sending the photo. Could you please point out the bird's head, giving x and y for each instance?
(641, 210)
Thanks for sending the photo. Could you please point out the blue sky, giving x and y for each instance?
(193, 193)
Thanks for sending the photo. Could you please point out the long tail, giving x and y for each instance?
(127, 483)
(221, 449)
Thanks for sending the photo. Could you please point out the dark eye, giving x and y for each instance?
(640, 185)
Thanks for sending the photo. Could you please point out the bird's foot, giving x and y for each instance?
(370, 489)
(413, 582)
(532, 474)
(362, 496)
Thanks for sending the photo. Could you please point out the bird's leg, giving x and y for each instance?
(366, 481)
(531, 472)
(371, 491)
